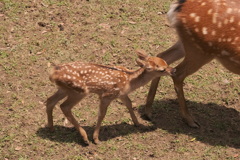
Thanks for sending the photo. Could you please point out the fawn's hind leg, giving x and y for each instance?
(51, 102)
(66, 106)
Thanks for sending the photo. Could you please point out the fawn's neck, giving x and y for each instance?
(139, 78)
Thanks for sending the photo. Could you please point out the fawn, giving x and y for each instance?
(207, 30)
(75, 80)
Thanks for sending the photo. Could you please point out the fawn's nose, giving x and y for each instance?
(171, 71)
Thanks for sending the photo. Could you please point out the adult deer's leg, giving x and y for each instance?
(194, 59)
(127, 102)
(104, 103)
(171, 55)
(50, 103)
(150, 98)
(66, 106)
(229, 64)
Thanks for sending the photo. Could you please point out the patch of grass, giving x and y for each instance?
(56, 2)
(182, 150)
(3, 54)
(1, 101)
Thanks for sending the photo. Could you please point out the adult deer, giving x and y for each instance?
(75, 80)
(207, 30)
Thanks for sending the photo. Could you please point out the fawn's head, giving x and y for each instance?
(154, 64)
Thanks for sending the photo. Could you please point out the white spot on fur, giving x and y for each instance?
(229, 10)
(213, 33)
(197, 19)
(214, 18)
(184, 20)
(229, 39)
(232, 19)
(192, 15)
(210, 11)
(219, 24)
(204, 30)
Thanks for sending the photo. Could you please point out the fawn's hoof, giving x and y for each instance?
(86, 142)
(96, 141)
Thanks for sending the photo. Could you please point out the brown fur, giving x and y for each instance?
(207, 30)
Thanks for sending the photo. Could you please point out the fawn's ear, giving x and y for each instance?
(142, 54)
(140, 62)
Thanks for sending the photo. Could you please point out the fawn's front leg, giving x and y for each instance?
(104, 103)
(127, 102)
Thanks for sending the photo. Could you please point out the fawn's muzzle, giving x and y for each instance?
(171, 71)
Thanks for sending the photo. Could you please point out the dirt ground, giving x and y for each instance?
(34, 34)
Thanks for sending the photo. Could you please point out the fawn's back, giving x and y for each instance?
(87, 77)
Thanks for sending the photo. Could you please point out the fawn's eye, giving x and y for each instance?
(159, 68)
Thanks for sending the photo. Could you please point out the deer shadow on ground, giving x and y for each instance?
(70, 134)
(219, 125)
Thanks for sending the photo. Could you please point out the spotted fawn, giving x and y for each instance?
(75, 80)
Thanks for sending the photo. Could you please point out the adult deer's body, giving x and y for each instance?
(207, 29)
(75, 80)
